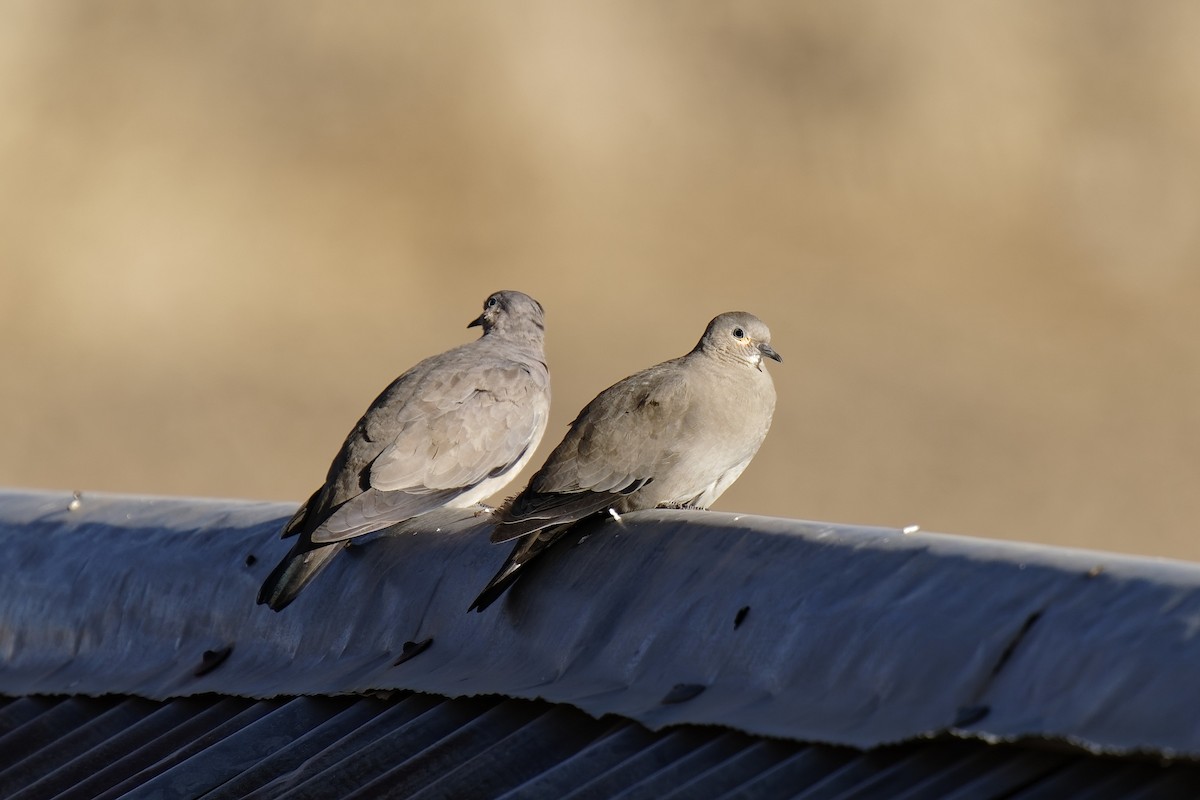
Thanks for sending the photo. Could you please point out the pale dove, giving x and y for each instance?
(677, 435)
(450, 432)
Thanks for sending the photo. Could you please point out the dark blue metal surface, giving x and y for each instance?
(847, 636)
(418, 746)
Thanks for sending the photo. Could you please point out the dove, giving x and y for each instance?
(448, 433)
(675, 435)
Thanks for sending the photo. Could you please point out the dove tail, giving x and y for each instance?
(527, 549)
(293, 573)
(497, 586)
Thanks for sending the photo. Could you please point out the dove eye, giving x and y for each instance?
(738, 333)
(491, 303)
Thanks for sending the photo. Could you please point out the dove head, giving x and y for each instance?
(738, 336)
(511, 313)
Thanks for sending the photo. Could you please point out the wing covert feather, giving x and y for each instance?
(612, 449)
(472, 427)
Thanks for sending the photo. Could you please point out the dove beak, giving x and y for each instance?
(769, 352)
(475, 323)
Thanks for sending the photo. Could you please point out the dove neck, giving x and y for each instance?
(529, 333)
(722, 356)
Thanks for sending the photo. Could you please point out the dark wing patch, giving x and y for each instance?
(528, 513)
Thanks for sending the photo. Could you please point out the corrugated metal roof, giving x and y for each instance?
(813, 632)
(418, 746)
(761, 657)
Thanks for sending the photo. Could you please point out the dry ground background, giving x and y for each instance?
(973, 227)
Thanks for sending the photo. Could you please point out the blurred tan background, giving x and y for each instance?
(973, 228)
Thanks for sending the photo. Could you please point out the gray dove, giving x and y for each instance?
(675, 435)
(450, 432)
